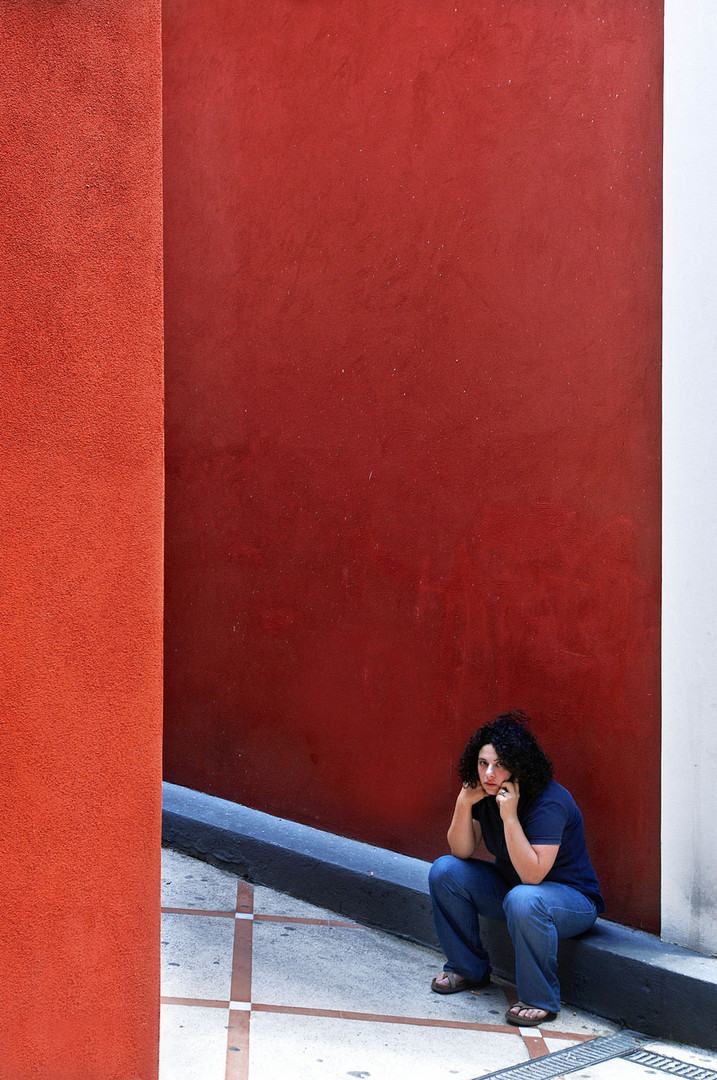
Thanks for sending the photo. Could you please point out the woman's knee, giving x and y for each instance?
(523, 902)
(442, 868)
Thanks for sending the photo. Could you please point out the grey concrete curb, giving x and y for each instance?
(624, 975)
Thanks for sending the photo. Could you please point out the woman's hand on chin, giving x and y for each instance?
(507, 798)
(472, 795)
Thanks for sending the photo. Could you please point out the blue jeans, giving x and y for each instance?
(537, 916)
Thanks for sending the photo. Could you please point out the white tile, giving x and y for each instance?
(197, 953)
(192, 1043)
(286, 1047)
(190, 883)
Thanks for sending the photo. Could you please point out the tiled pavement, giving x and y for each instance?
(259, 986)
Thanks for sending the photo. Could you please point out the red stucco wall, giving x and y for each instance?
(81, 569)
(413, 333)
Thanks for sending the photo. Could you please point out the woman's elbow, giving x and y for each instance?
(534, 877)
(460, 851)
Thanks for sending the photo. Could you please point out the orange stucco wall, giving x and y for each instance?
(81, 573)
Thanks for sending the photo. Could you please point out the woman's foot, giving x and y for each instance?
(450, 983)
(528, 1016)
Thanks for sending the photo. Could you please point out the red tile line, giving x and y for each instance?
(569, 1036)
(535, 1044)
(263, 918)
(241, 959)
(237, 1064)
(380, 1018)
(313, 922)
(415, 1021)
(245, 897)
(238, 1046)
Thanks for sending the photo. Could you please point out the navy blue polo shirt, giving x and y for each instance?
(551, 818)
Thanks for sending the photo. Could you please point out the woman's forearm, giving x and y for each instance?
(464, 833)
(530, 865)
(525, 861)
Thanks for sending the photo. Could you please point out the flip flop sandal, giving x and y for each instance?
(456, 984)
(526, 1021)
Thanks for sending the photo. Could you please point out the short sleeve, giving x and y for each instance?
(545, 822)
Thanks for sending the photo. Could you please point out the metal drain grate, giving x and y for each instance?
(670, 1065)
(574, 1058)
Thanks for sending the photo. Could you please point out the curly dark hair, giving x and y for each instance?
(517, 749)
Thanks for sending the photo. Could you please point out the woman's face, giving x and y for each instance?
(491, 772)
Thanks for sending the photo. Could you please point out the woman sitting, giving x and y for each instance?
(541, 883)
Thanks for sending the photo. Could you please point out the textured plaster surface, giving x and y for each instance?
(81, 571)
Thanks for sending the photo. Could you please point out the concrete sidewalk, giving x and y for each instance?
(632, 978)
(257, 985)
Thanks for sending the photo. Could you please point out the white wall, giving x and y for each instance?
(689, 814)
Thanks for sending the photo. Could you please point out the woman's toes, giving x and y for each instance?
(529, 1013)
